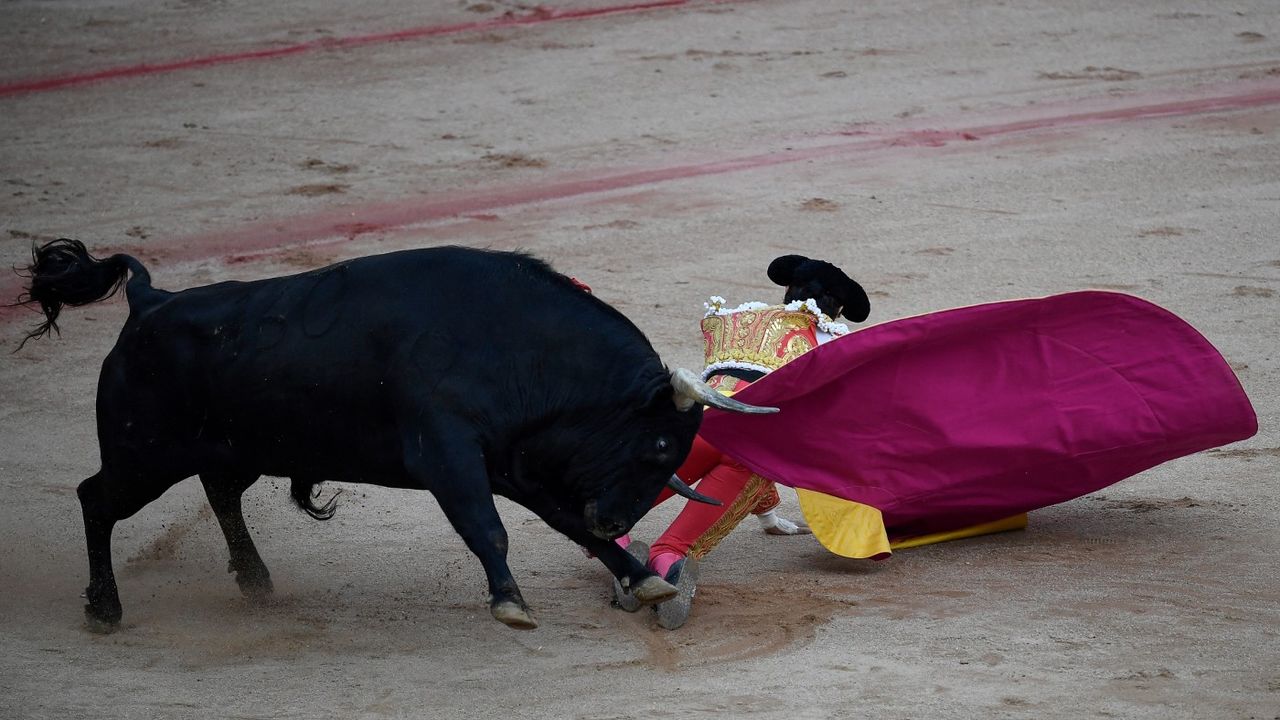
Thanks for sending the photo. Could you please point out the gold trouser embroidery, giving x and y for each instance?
(767, 499)
(738, 509)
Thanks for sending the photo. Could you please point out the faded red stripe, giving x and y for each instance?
(347, 223)
(245, 242)
(540, 15)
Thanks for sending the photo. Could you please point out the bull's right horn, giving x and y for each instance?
(690, 389)
(682, 489)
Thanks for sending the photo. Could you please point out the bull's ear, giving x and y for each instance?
(657, 396)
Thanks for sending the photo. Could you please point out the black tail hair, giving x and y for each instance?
(304, 494)
(62, 272)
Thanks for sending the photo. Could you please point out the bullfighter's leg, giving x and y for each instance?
(456, 475)
(224, 491)
(700, 527)
(105, 499)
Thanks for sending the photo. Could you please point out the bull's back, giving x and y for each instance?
(311, 373)
(275, 375)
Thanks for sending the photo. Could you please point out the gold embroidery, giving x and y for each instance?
(764, 339)
(767, 499)
(738, 509)
(725, 384)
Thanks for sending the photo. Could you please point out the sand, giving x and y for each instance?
(943, 153)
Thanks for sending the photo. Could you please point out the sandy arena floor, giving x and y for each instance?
(945, 153)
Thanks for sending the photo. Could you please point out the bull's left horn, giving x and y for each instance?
(679, 487)
(689, 389)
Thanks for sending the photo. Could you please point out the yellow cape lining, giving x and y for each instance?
(854, 530)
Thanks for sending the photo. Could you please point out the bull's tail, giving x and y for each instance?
(62, 272)
(305, 494)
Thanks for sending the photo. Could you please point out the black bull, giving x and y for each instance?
(463, 372)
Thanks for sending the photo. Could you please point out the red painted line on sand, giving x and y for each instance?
(259, 239)
(537, 16)
(347, 223)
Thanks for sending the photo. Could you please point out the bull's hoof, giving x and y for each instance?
(512, 615)
(625, 598)
(257, 590)
(99, 625)
(654, 589)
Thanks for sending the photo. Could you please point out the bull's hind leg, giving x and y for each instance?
(103, 611)
(105, 499)
(224, 491)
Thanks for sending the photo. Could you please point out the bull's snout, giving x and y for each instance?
(604, 528)
(609, 530)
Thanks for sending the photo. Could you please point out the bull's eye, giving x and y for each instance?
(663, 445)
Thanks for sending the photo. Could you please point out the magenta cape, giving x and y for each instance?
(964, 416)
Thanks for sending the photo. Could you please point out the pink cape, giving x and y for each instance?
(964, 416)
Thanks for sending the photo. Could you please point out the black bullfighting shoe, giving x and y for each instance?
(625, 598)
(675, 612)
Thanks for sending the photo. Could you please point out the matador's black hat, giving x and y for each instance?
(835, 292)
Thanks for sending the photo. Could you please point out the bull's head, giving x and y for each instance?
(648, 450)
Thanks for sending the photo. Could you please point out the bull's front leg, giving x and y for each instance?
(457, 477)
(632, 574)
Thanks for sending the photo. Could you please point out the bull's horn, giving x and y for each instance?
(689, 389)
(677, 485)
